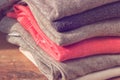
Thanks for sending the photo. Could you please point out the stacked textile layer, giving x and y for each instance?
(76, 41)
(81, 49)
(77, 69)
(68, 37)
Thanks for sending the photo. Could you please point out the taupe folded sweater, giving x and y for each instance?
(68, 70)
(104, 28)
(56, 9)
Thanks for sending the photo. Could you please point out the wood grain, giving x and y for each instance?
(14, 65)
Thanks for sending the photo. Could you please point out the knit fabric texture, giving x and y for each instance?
(92, 16)
(6, 5)
(76, 69)
(106, 74)
(104, 28)
(84, 48)
(67, 70)
(102, 75)
(81, 19)
(53, 10)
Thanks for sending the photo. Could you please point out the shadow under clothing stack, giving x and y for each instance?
(68, 39)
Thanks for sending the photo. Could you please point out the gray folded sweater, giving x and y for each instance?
(68, 70)
(98, 14)
(56, 9)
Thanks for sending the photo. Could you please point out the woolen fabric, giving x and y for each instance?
(102, 75)
(104, 28)
(56, 9)
(6, 5)
(95, 15)
(82, 49)
(67, 70)
(92, 16)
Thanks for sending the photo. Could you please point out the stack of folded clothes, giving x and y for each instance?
(68, 40)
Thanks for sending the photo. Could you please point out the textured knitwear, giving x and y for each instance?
(84, 48)
(53, 10)
(6, 5)
(102, 75)
(67, 70)
(92, 16)
(95, 15)
(105, 28)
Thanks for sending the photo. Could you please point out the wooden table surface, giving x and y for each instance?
(14, 65)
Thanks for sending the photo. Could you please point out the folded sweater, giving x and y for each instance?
(53, 10)
(109, 74)
(81, 19)
(84, 48)
(102, 75)
(67, 70)
(92, 16)
(6, 5)
(105, 28)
